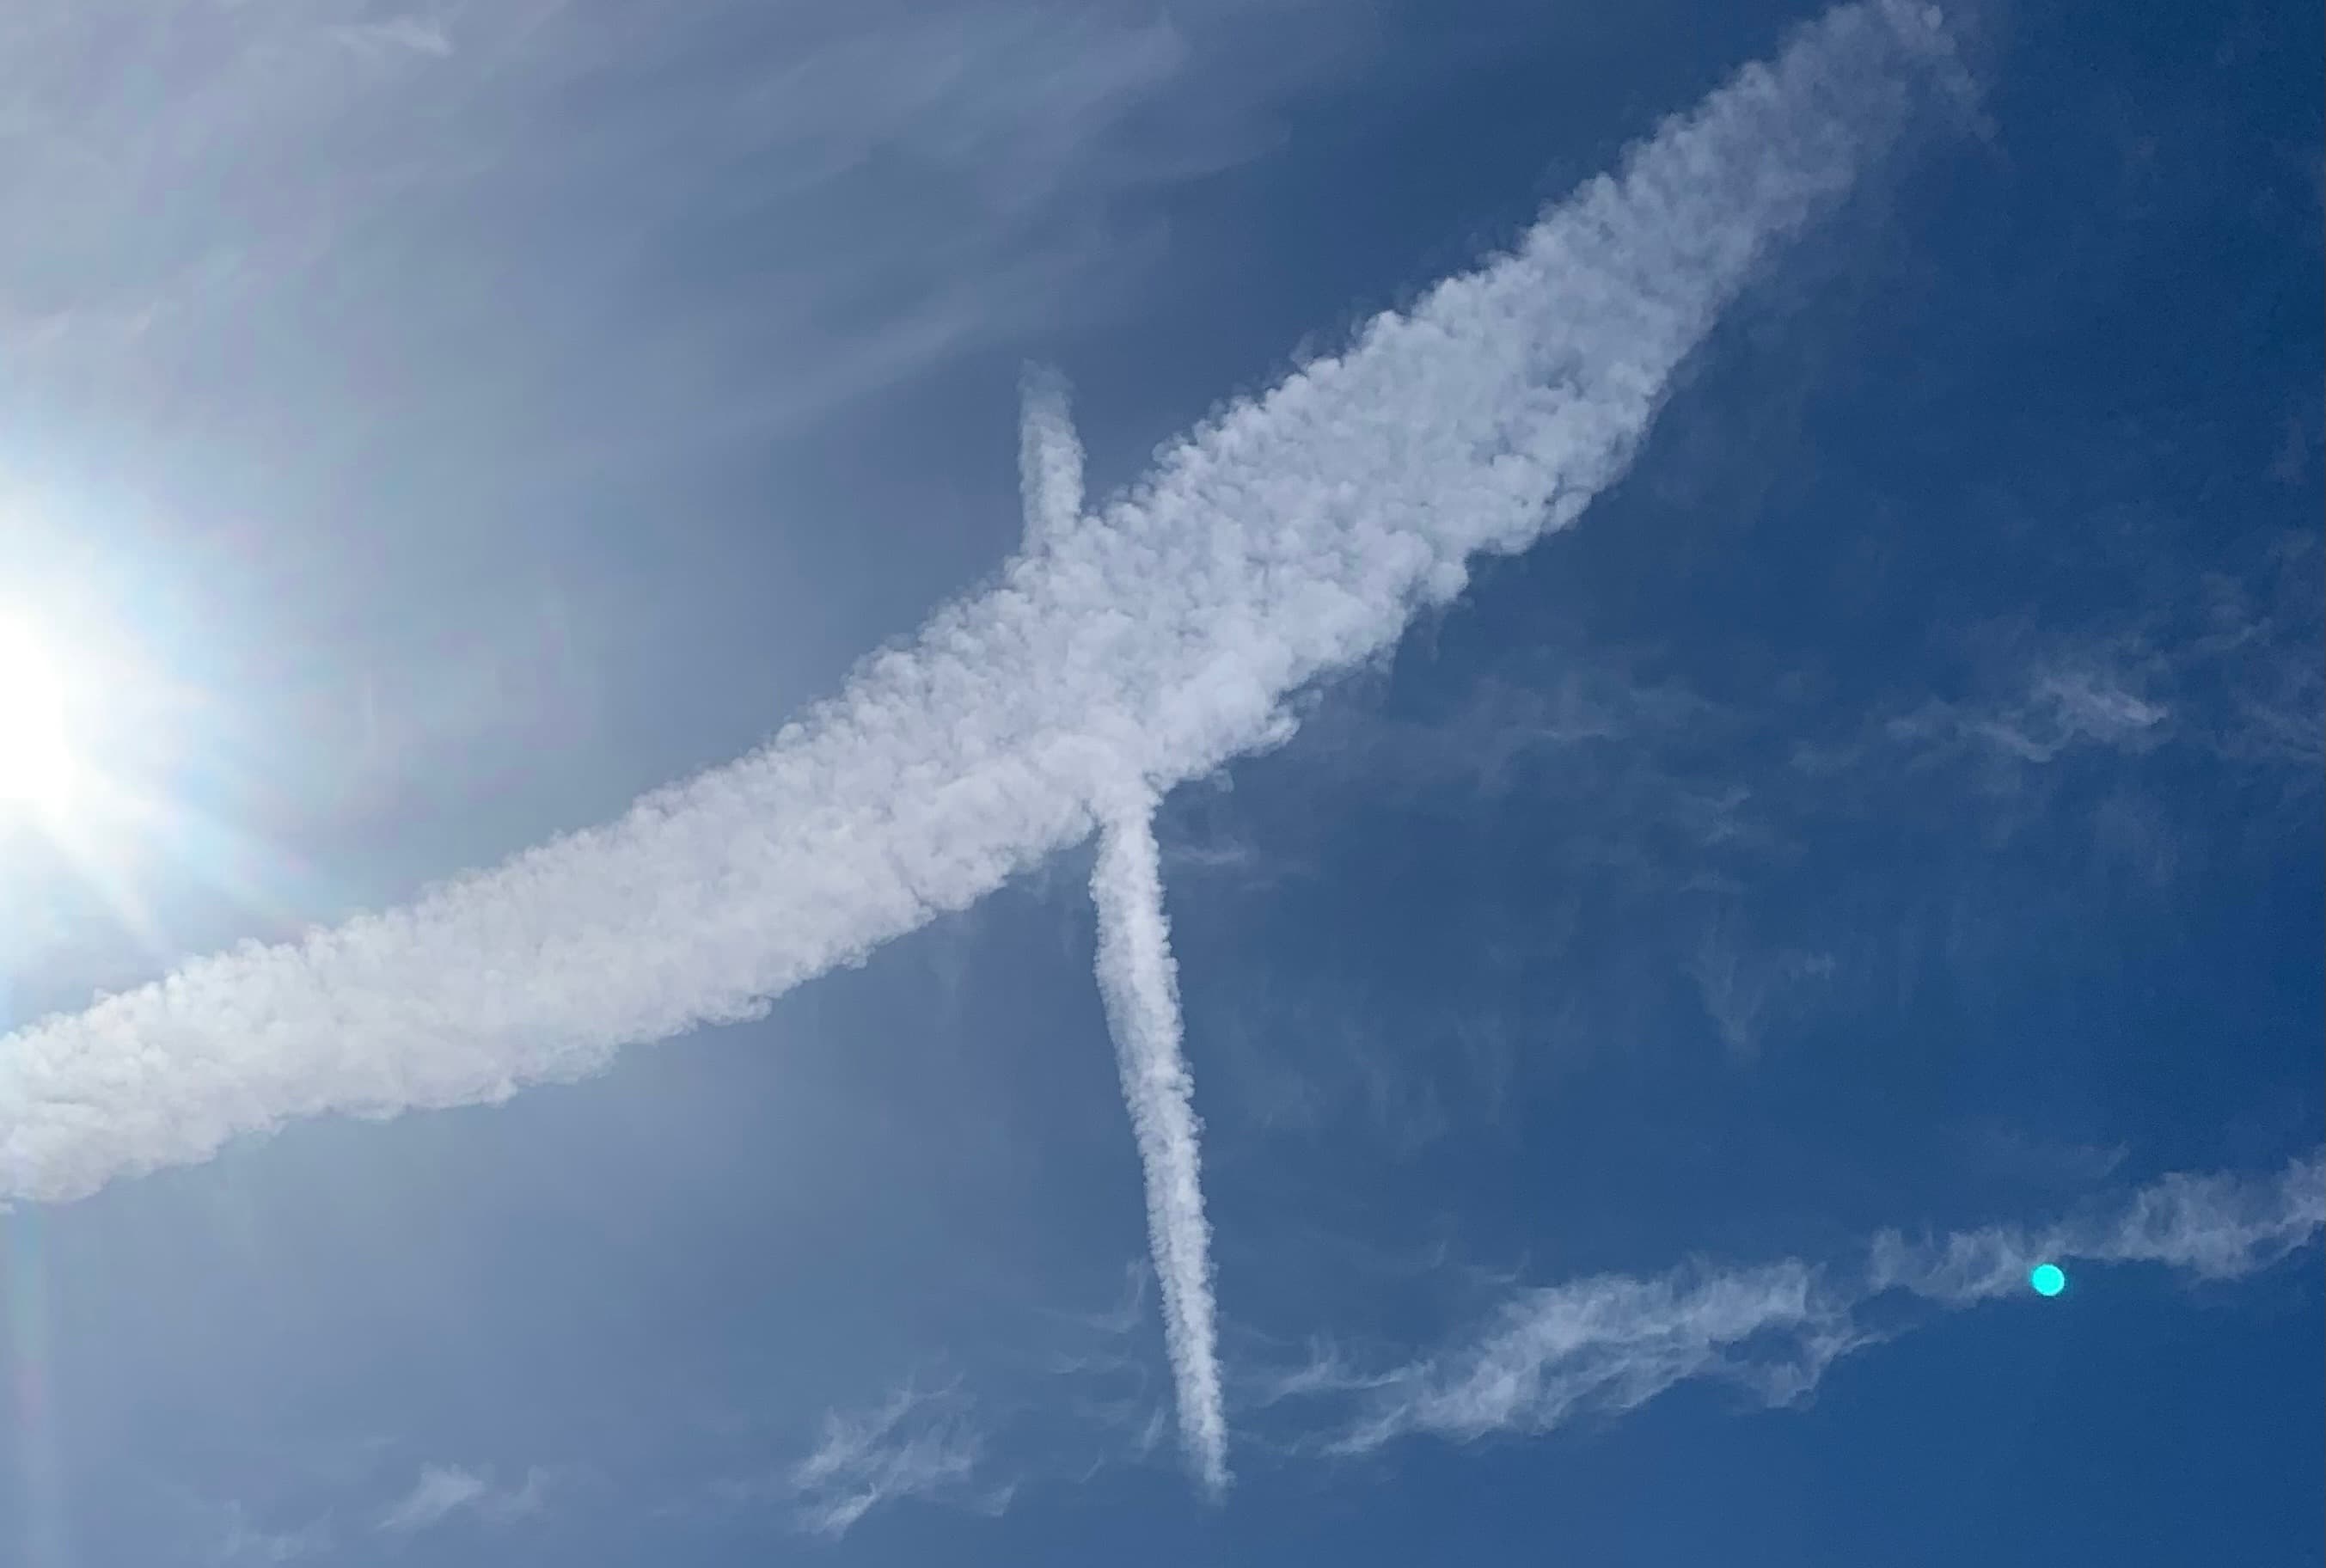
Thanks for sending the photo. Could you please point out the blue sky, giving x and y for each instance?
(1490, 934)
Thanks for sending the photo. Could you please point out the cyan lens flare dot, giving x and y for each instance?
(2049, 1279)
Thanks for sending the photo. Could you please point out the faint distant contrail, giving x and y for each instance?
(1156, 638)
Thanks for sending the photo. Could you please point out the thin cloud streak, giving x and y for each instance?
(1289, 537)
(2214, 1227)
(1610, 1344)
(915, 1446)
(1139, 981)
(443, 1490)
(239, 1541)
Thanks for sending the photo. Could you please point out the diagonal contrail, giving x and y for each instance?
(1156, 638)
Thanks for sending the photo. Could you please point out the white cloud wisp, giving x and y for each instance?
(1612, 1343)
(443, 1490)
(1156, 638)
(915, 1446)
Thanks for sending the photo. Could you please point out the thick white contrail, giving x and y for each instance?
(1140, 982)
(1288, 537)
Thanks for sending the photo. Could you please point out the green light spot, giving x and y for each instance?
(2048, 1278)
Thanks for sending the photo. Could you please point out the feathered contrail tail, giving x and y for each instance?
(1140, 984)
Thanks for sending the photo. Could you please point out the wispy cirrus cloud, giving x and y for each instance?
(2076, 700)
(238, 1540)
(1610, 1344)
(914, 179)
(442, 1491)
(2214, 1227)
(1704, 836)
(1290, 537)
(1743, 988)
(1072, 1393)
(919, 1444)
(2225, 665)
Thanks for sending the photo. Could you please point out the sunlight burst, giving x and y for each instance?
(36, 762)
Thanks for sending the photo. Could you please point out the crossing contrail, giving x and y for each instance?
(1154, 639)
(1140, 982)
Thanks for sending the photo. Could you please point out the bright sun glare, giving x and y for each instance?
(36, 762)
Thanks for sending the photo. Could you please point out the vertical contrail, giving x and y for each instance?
(1049, 458)
(1139, 981)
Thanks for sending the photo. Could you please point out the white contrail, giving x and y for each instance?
(1140, 982)
(1288, 537)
